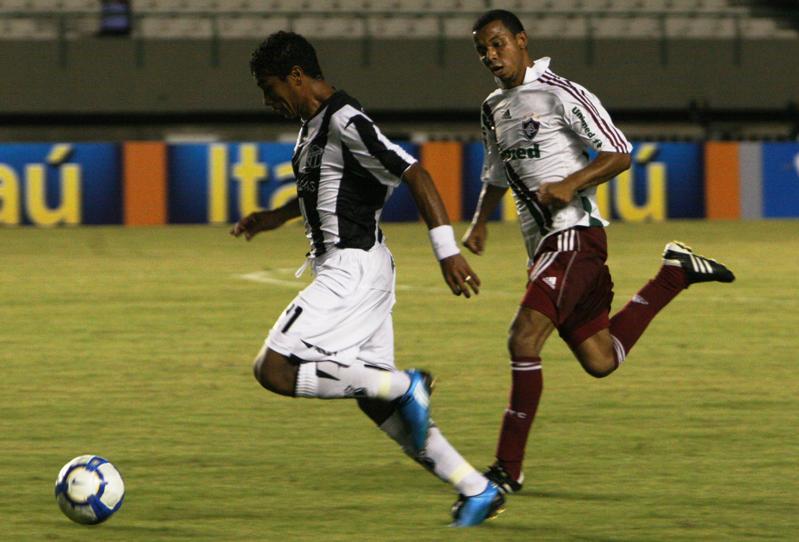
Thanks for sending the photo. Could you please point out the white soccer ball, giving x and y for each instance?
(89, 489)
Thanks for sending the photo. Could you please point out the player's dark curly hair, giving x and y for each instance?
(281, 51)
(510, 20)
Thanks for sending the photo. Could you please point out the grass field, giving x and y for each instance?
(136, 344)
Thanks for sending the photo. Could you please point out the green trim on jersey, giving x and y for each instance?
(589, 208)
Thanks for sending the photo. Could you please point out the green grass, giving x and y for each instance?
(136, 344)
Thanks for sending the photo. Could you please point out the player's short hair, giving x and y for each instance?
(280, 52)
(510, 20)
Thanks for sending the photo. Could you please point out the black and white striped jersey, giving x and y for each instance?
(345, 169)
(538, 132)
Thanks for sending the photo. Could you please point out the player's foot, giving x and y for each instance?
(414, 407)
(696, 268)
(471, 511)
(504, 481)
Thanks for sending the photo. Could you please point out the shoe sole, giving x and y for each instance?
(493, 515)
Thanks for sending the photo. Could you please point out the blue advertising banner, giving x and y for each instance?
(666, 180)
(221, 182)
(51, 184)
(780, 180)
(47, 184)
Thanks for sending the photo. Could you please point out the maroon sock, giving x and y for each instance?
(629, 323)
(526, 387)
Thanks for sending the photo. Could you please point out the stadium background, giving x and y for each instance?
(697, 84)
(135, 342)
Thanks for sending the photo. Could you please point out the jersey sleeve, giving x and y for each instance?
(383, 159)
(493, 168)
(588, 119)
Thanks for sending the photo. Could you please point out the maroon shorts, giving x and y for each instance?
(570, 283)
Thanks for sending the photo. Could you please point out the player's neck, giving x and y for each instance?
(518, 79)
(318, 94)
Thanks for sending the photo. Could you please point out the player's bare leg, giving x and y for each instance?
(528, 333)
(407, 391)
(596, 354)
(275, 372)
(681, 268)
(603, 352)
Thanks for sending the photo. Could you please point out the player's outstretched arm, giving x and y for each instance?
(458, 275)
(600, 170)
(259, 221)
(477, 234)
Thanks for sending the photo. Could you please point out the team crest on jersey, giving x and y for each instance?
(530, 127)
(314, 157)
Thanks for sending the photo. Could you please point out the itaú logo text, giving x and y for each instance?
(37, 210)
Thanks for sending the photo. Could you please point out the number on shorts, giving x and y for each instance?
(297, 312)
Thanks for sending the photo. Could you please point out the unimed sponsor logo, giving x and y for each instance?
(588, 131)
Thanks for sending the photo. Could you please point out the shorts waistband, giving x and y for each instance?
(577, 238)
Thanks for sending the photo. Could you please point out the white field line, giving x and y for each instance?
(273, 277)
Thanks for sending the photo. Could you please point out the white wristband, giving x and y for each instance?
(443, 239)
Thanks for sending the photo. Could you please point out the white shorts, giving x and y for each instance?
(344, 315)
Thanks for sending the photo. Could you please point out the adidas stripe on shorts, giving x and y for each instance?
(570, 283)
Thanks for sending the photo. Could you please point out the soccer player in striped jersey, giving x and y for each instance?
(537, 130)
(335, 339)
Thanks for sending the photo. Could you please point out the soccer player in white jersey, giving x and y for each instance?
(537, 130)
(335, 339)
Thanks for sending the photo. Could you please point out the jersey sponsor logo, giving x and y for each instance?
(306, 180)
(588, 131)
(530, 128)
(522, 153)
(306, 184)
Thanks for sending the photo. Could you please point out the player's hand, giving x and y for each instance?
(256, 222)
(475, 238)
(558, 194)
(459, 276)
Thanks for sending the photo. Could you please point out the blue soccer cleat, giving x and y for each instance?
(471, 511)
(414, 407)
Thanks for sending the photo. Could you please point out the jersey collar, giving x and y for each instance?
(533, 72)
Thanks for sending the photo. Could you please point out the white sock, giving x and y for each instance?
(439, 456)
(329, 380)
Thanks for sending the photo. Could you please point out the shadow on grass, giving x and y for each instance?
(112, 530)
(574, 496)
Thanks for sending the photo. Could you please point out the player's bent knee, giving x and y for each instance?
(275, 372)
(599, 368)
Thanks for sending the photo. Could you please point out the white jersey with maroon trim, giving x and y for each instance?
(541, 132)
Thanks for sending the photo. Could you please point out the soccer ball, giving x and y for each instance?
(89, 489)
